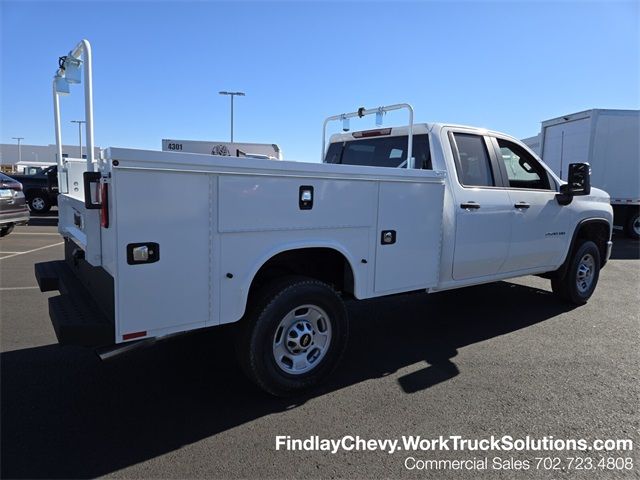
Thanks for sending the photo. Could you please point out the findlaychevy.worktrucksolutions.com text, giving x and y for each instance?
(505, 443)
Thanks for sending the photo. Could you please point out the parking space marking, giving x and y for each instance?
(34, 233)
(2, 253)
(31, 251)
(18, 288)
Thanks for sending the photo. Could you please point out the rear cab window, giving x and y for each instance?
(385, 151)
(473, 163)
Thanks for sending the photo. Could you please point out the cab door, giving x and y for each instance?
(539, 234)
(482, 208)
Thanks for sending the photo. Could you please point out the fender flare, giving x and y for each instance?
(560, 272)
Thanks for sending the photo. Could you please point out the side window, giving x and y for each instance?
(472, 161)
(523, 171)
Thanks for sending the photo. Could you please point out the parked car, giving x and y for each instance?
(40, 189)
(13, 207)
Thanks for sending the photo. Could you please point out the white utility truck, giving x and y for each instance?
(159, 243)
(609, 140)
(269, 151)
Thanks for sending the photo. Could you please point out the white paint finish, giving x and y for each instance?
(540, 233)
(482, 235)
(87, 234)
(243, 254)
(272, 203)
(414, 211)
(173, 292)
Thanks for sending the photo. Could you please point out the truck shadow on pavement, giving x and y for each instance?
(49, 219)
(625, 248)
(67, 415)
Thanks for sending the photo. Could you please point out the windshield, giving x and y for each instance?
(380, 152)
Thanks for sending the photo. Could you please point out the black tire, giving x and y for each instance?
(262, 323)
(39, 203)
(6, 230)
(632, 226)
(567, 287)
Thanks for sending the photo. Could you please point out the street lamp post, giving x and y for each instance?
(232, 94)
(79, 122)
(19, 139)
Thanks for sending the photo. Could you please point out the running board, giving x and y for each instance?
(105, 353)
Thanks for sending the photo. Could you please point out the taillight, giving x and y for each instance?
(104, 207)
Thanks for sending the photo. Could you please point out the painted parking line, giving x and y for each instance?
(3, 253)
(31, 251)
(3, 289)
(34, 233)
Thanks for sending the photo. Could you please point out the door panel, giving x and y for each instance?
(539, 231)
(482, 234)
(483, 213)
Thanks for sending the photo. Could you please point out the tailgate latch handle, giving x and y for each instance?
(91, 185)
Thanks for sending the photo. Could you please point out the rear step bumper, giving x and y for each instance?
(77, 319)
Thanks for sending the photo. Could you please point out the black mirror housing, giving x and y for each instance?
(579, 179)
(578, 183)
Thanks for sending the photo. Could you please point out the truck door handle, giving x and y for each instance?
(522, 205)
(469, 205)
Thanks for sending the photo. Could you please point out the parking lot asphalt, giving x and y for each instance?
(505, 358)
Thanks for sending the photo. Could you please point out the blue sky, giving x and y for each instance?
(158, 66)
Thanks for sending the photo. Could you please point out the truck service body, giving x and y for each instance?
(277, 247)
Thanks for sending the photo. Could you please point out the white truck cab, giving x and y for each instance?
(278, 247)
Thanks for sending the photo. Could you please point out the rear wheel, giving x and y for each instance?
(632, 226)
(293, 335)
(38, 203)
(581, 278)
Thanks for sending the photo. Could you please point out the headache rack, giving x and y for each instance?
(379, 112)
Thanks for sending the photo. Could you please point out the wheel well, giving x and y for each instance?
(598, 232)
(324, 264)
(595, 230)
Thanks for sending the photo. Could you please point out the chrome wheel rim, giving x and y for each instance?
(585, 273)
(302, 339)
(636, 226)
(37, 203)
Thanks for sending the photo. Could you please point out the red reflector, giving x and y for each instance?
(130, 336)
(104, 209)
(372, 133)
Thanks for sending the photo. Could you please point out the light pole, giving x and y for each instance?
(19, 139)
(232, 94)
(79, 122)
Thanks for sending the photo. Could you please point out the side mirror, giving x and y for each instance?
(578, 183)
(579, 178)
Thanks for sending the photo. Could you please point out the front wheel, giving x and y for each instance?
(581, 277)
(293, 335)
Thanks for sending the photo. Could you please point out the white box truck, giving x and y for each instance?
(609, 140)
(269, 151)
(160, 243)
